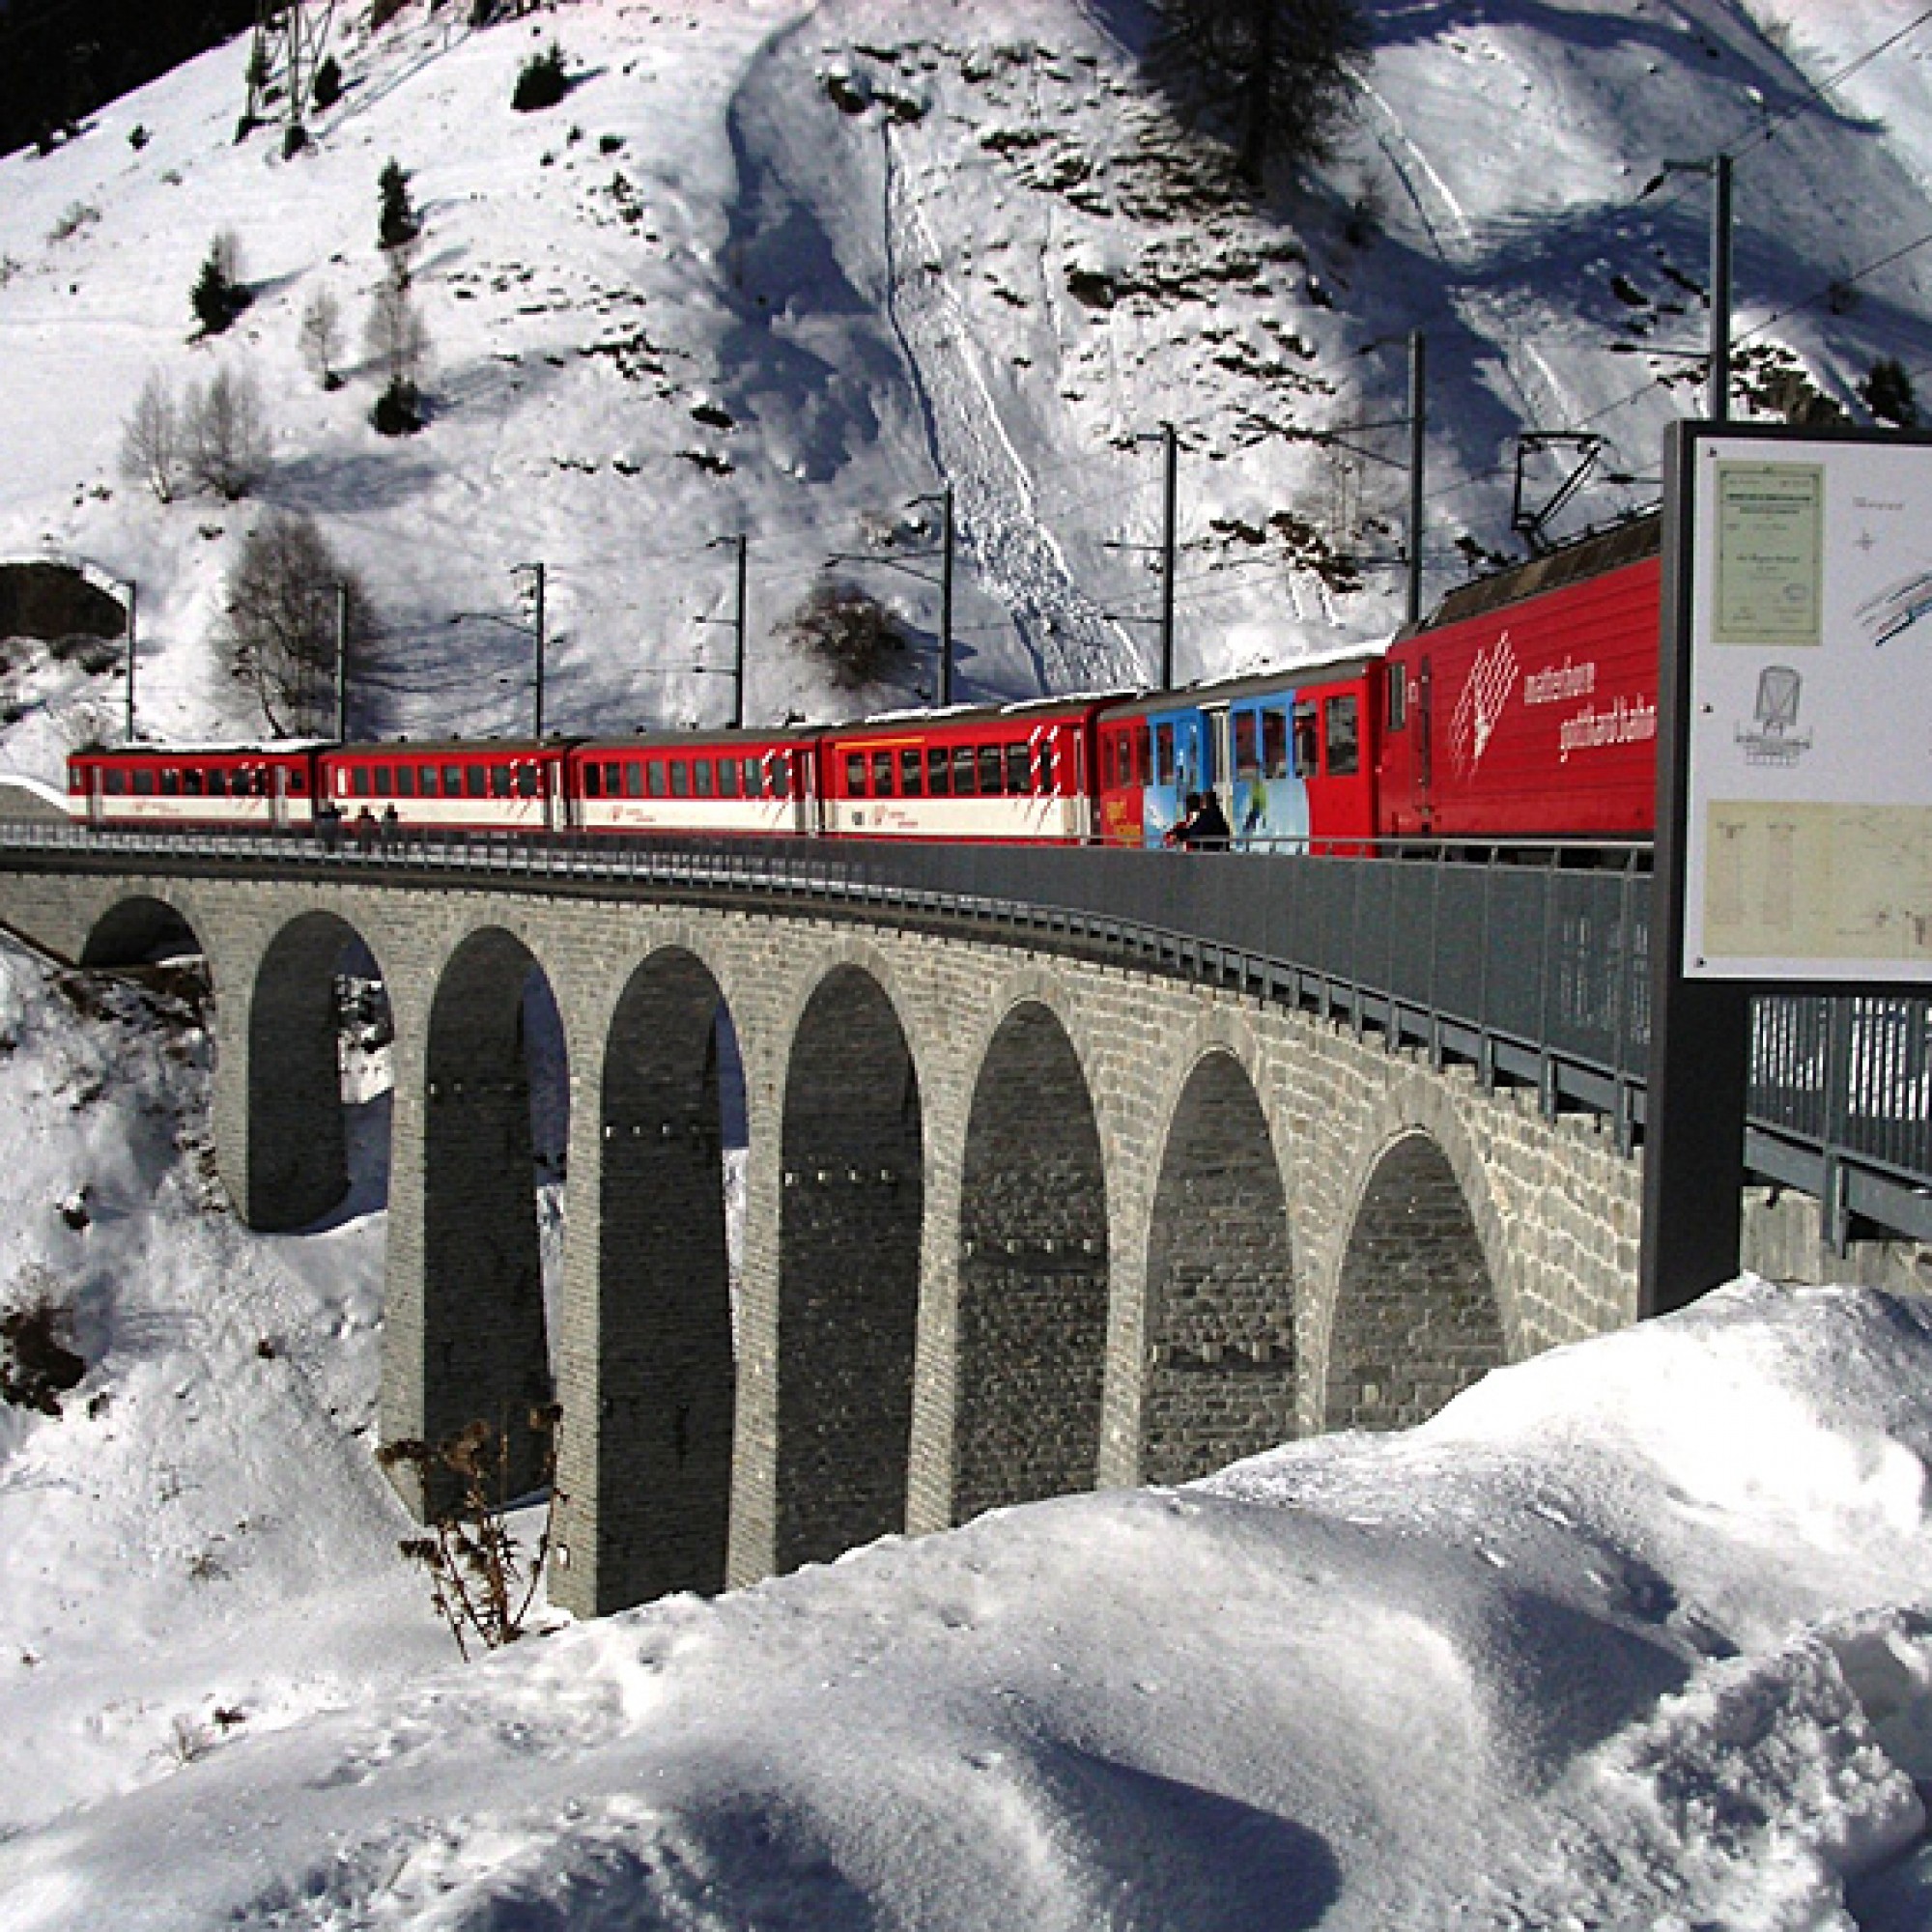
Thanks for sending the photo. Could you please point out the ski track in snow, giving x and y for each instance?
(1487, 317)
(1074, 642)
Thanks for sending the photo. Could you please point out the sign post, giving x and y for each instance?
(1794, 809)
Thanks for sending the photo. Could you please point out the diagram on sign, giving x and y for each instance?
(1896, 609)
(1773, 737)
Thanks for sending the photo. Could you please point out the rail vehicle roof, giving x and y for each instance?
(275, 748)
(721, 737)
(443, 748)
(966, 714)
(1593, 555)
(1324, 668)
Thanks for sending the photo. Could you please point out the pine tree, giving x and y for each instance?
(397, 222)
(1285, 69)
(218, 296)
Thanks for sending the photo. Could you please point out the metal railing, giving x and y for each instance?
(1533, 973)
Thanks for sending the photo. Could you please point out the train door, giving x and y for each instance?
(1179, 764)
(1425, 744)
(799, 768)
(1268, 798)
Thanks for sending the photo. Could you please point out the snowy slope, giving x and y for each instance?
(1638, 1633)
(781, 269)
(167, 1535)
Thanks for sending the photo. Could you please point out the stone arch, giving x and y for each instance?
(485, 1354)
(1033, 1272)
(1417, 1314)
(850, 1219)
(296, 1167)
(137, 932)
(1220, 1354)
(665, 1319)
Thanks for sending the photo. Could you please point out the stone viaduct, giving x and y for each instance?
(1016, 1223)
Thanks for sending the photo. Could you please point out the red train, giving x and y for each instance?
(1525, 710)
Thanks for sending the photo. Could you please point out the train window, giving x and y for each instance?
(1247, 744)
(938, 770)
(171, 785)
(1275, 745)
(755, 777)
(426, 782)
(1019, 771)
(780, 775)
(1143, 754)
(990, 771)
(1163, 754)
(1342, 725)
(728, 778)
(359, 781)
(474, 781)
(962, 771)
(452, 781)
(882, 775)
(1398, 696)
(654, 779)
(855, 775)
(527, 782)
(217, 784)
(406, 782)
(500, 781)
(593, 780)
(298, 784)
(1307, 739)
(680, 778)
(703, 779)
(117, 783)
(191, 784)
(386, 781)
(912, 772)
(1046, 767)
(144, 783)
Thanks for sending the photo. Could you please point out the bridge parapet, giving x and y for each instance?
(1019, 1217)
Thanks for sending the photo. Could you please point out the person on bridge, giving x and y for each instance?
(1208, 830)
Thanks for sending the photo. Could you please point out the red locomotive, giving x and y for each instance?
(1525, 711)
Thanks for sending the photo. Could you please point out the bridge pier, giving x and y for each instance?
(1015, 1223)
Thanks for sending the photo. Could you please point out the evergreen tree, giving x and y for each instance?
(397, 222)
(1284, 67)
(218, 296)
(1887, 392)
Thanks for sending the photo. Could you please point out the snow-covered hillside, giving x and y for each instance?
(780, 268)
(1637, 1634)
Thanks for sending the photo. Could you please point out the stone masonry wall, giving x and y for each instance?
(877, 1378)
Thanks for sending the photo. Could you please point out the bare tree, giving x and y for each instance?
(225, 443)
(321, 337)
(285, 596)
(849, 631)
(151, 441)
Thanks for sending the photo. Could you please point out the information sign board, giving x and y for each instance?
(1807, 585)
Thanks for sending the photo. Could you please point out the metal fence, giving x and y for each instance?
(1535, 972)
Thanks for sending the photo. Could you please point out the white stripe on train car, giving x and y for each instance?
(1019, 818)
(689, 814)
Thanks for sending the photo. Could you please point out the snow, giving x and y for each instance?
(1637, 1633)
(784, 268)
